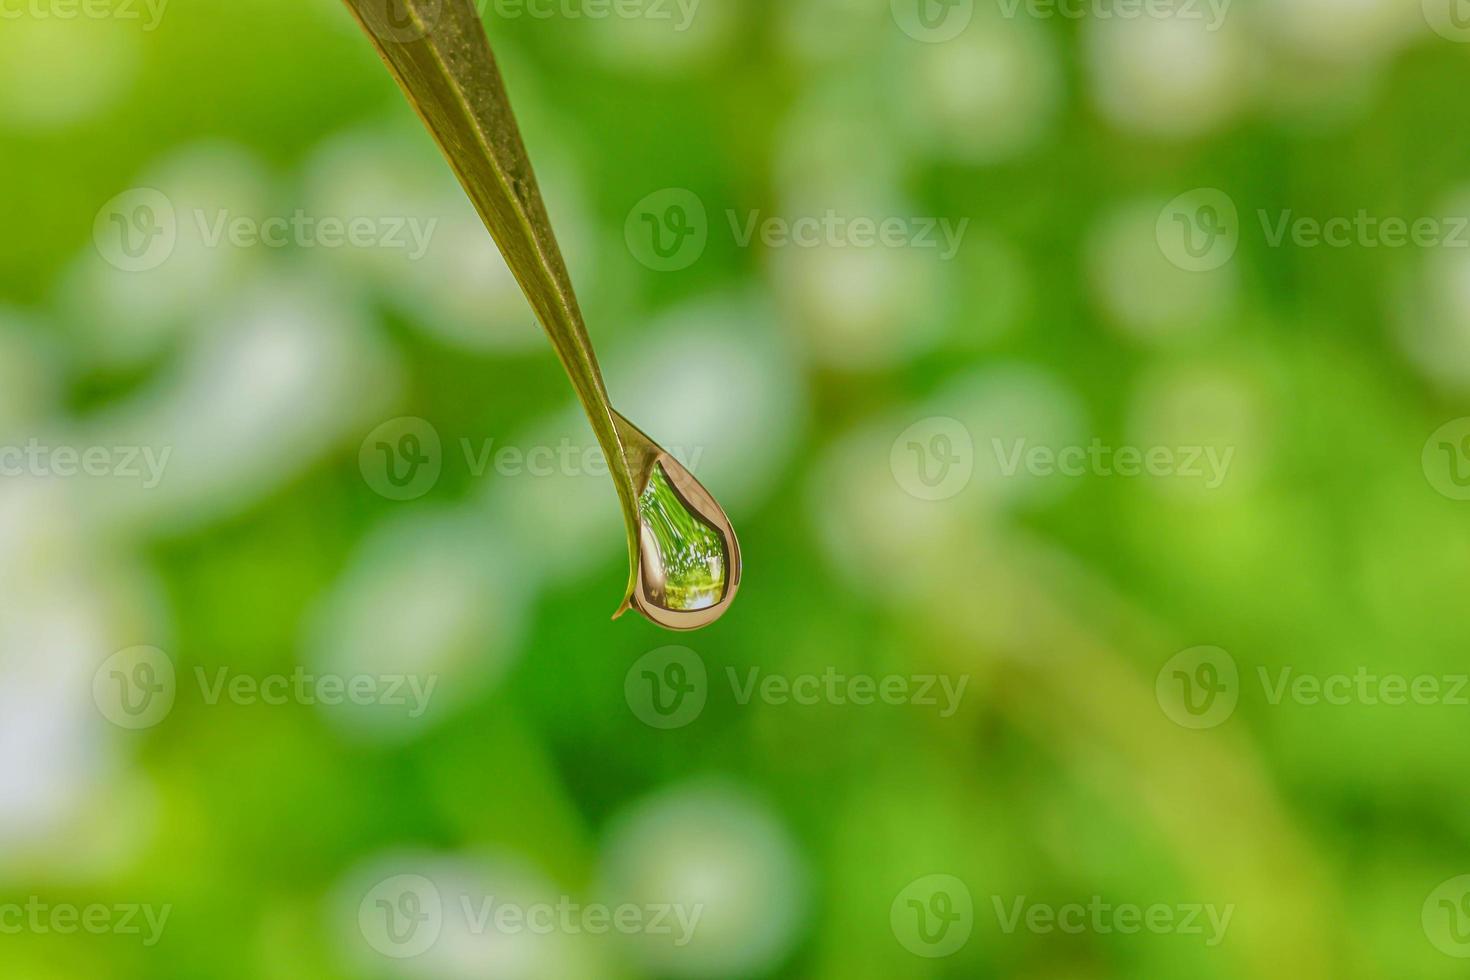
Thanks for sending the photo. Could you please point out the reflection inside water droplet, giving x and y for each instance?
(685, 567)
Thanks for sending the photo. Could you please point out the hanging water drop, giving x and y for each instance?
(690, 561)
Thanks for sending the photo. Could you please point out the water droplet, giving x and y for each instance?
(690, 563)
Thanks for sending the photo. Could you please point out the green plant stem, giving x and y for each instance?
(438, 52)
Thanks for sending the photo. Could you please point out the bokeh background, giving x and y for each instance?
(853, 406)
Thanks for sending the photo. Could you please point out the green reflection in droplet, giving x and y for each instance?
(685, 566)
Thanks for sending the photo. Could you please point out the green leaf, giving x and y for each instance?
(438, 52)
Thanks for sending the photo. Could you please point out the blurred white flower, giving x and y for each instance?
(280, 375)
(436, 599)
(863, 308)
(1145, 294)
(896, 544)
(1432, 314)
(710, 848)
(449, 278)
(1166, 76)
(426, 916)
(714, 383)
(67, 607)
(1354, 31)
(987, 96)
(880, 539)
(1011, 407)
(1211, 406)
(834, 145)
(121, 318)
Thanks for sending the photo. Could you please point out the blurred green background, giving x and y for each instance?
(1176, 700)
